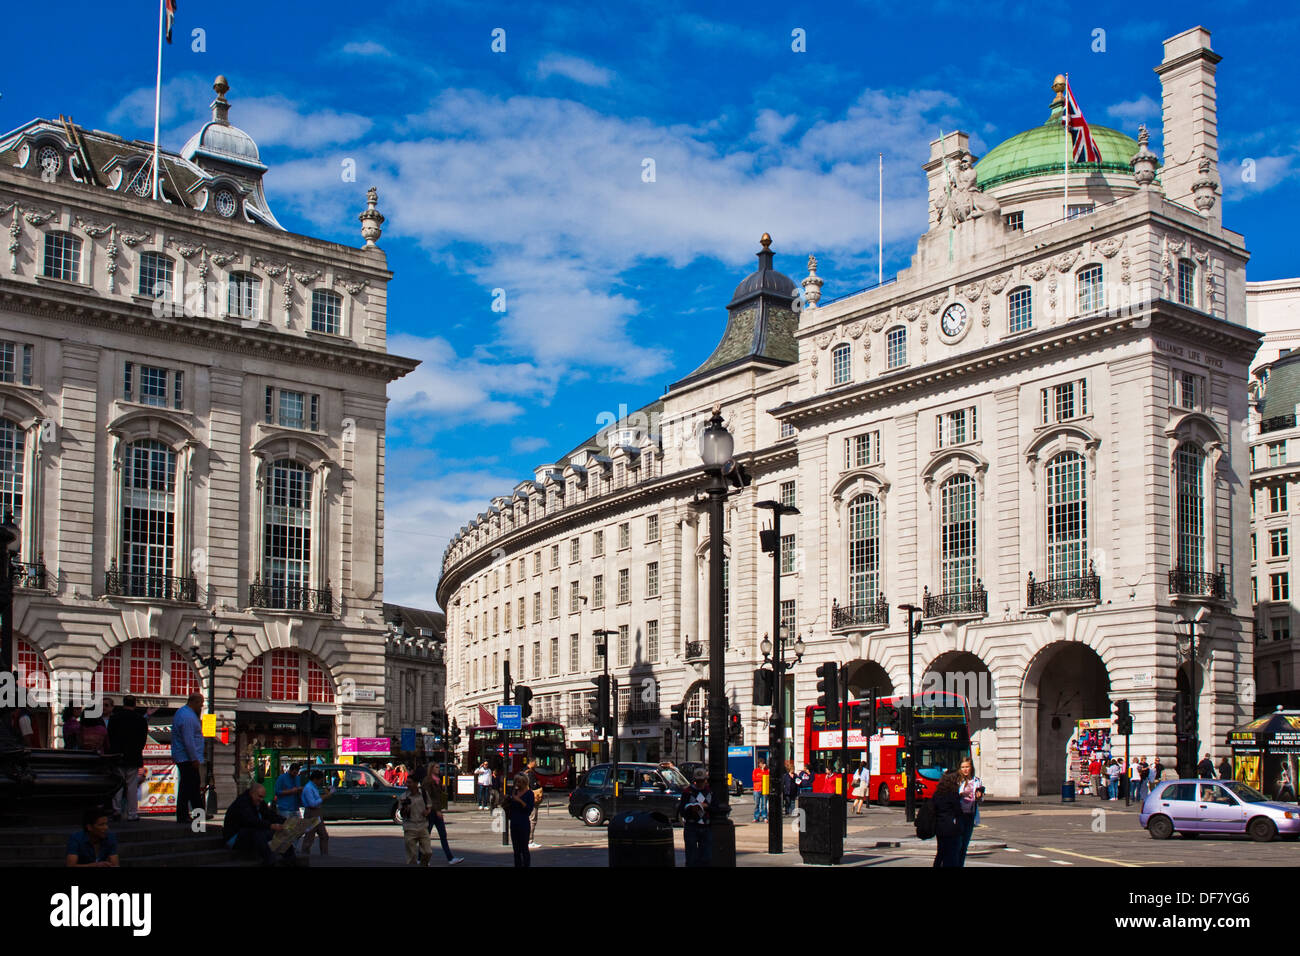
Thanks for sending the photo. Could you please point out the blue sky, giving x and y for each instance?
(522, 170)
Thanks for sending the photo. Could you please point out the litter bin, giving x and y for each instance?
(641, 839)
(822, 822)
(1067, 792)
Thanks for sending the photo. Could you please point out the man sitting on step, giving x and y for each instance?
(249, 825)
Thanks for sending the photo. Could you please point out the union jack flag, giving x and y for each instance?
(1083, 147)
(171, 16)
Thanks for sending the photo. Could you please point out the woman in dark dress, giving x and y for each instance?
(947, 820)
(520, 808)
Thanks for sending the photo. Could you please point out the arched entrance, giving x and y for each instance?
(1065, 682)
(965, 674)
(865, 676)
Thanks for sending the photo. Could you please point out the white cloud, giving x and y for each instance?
(367, 48)
(1268, 171)
(1144, 109)
(573, 68)
(526, 444)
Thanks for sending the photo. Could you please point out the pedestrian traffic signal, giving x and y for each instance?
(524, 697)
(601, 715)
(455, 734)
(763, 687)
(677, 717)
(869, 725)
(736, 474)
(1123, 719)
(828, 691)
(735, 732)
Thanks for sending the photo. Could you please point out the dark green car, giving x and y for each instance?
(358, 793)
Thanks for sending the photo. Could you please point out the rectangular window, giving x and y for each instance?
(1074, 212)
(787, 619)
(243, 295)
(1020, 310)
(652, 641)
(1276, 454)
(787, 430)
(505, 571)
(1061, 403)
(555, 656)
(1092, 294)
(862, 450)
(787, 554)
(598, 544)
(956, 427)
(537, 562)
(575, 550)
(598, 591)
(496, 620)
(1277, 499)
(537, 607)
(155, 279)
(15, 363)
(1014, 221)
(1189, 390)
(1280, 586)
(292, 409)
(555, 556)
(575, 652)
(896, 347)
(651, 528)
(788, 494)
(507, 616)
(62, 256)
(326, 311)
(537, 659)
(519, 606)
(1280, 628)
(1254, 549)
(575, 599)
(623, 586)
(624, 536)
(1186, 282)
(623, 641)
(652, 579)
(1279, 543)
(555, 601)
(841, 357)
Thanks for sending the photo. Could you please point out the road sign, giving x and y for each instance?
(408, 739)
(510, 717)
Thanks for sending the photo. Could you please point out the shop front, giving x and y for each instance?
(1266, 754)
(267, 742)
(1091, 741)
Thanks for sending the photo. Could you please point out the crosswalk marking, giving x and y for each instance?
(1063, 862)
(1036, 856)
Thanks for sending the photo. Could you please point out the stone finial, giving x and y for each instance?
(372, 219)
(1144, 161)
(220, 106)
(812, 286)
(1206, 187)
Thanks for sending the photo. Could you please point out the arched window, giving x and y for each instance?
(141, 667)
(250, 684)
(1067, 516)
(286, 674)
(148, 520)
(896, 347)
(155, 279)
(840, 364)
(13, 450)
(1186, 282)
(326, 311)
(1020, 309)
(244, 295)
(958, 533)
(1189, 471)
(29, 670)
(864, 550)
(1092, 294)
(286, 539)
(62, 256)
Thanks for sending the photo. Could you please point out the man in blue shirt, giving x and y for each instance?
(94, 845)
(312, 799)
(187, 753)
(288, 792)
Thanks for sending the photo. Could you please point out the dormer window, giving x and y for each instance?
(226, 203)
(50, 161)
(326, 311)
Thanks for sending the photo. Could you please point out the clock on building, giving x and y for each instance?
(953, 320)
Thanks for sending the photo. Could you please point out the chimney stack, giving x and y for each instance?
(1190, 174)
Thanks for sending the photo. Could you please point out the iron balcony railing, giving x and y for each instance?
(859, 615)
(696, 650)
(30, 575)
(1066, 589)
(147, 584)
(282, 597)
(1208, 584)
(640, 714)
(972, 601)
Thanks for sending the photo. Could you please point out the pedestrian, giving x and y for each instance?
(436, 797)
(1205, 769)
(94, 845)
(483, 781)
(861, 787)
(535, 785)
(94, 730)
(25, 727)
(249, 825)
(1225, 769)
(288, 792)
(693, 809)
(313, 809)
(389, 774)
(128, 729)
(187, 753)
(520, 810)
(1094, 773)
(970, 788)
(947, 820)
(1112, 779)
(71, 728)
(760, 791)
(1134, 774)
(1157, 770)
(497, 784)
(789, 788)
(415, 810)
(1144, 779)
(804, 779)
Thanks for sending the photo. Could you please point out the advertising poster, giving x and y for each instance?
(158, 788)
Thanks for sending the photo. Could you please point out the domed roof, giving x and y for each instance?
(766, 279)
(217, 139)
(1041, 151)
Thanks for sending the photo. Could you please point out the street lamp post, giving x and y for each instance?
(771, 541)
(910, 796)
(716, 447)
(211, 662)
(611, 711)
(776, 730)
(1201, 616)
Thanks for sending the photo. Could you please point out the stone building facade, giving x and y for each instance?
(1034, 433)
(192, 415)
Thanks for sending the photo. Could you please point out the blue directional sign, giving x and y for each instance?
(408, 738)
(510, 717)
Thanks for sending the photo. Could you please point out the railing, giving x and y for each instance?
(1277, 423)
(289, 598)
(28, 575)
(859, 615)
(640, 714)
(695, 650)
(147, 584)
(1199, 583)
(973, 601)
(1068, 589)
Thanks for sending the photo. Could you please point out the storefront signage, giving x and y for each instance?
(365, 746)
(365, 693)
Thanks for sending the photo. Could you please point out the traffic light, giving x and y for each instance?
(1123, 718)
(677, 717)
(891, 719)
(735, 732)
(505, 677)
(524, 697)
(828, 691)
(916, 626)
(736, 474)
(869, 725)
(601, 710)
(763, 687)
(455, 734)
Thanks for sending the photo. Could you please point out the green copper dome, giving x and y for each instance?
(1041, 151)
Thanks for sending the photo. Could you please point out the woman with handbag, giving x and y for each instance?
(971, 790)
(947, 820)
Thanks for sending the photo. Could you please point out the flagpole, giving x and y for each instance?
(157, 99)
(1065, 119)
(880, 223)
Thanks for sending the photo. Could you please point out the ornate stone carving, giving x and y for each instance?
(910, 312)
(371, 218)
(1205, 189)
(824, 339)
(812, 285)
(1108, 247)
(306, 278)
(963, 199)
(94, 229)
(110, 264)
(1051, 292)
(877, 321)
(974, 290)
(998, 283)
(855, 329)
(1036, 270)
(223, 259)
(934, 303)
(1065, 260)
(134, 239)
(1124, 264)
(39, 218)
(185, 250)
(1144, 161)
(353, 286)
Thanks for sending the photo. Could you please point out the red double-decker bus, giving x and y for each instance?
(541, 739)
(942, 741)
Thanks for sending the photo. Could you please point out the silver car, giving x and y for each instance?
(1192, 807)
